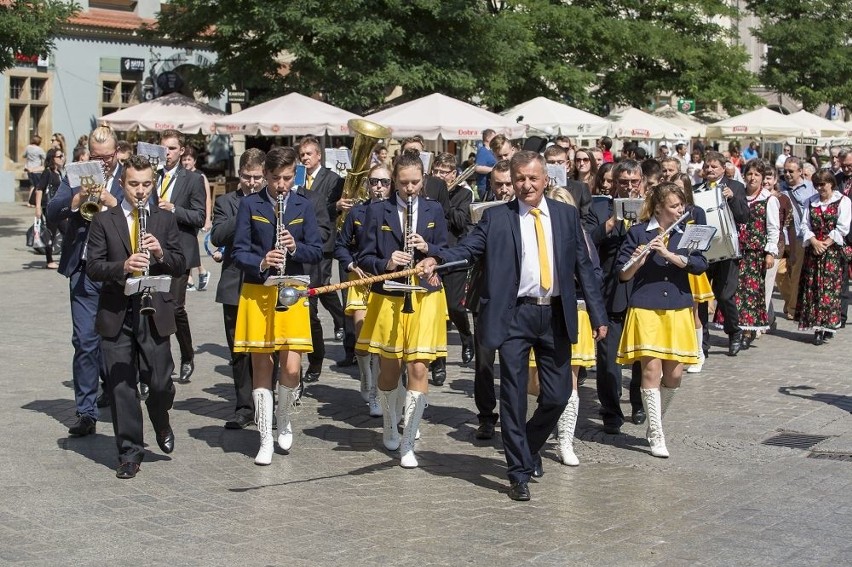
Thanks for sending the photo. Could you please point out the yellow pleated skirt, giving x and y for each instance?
(390, 333)
(259, 328)
(583, 351)
(700, 287)
(667, 334)
(356, 297)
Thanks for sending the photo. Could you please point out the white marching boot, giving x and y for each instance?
(263, 417)
(286, 398)
(415, 403)
(696, 368)
(666, 395)
(565, 431)
(373, 388)
(365, 370)
(390, 434)
(656, 439)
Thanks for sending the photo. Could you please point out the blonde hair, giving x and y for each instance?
(102, 135)
(657, 196)
(562, 195)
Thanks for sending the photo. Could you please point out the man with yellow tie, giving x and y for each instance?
(532, 250)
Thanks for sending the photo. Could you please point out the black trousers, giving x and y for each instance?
(483, 377)
(240, 365)
(137, 354)
(532, 326)
(723, 279)
(331, 302)
(608, 378)
(183, 334)
(454, 283)
(349, 337)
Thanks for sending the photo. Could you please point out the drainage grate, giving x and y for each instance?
(831, 456)
(795, 440)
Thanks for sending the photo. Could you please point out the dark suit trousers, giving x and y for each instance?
(454, 290)
(723, 279)
(349, 337)
(87, 362)
(532, 326)
(137, 354)
(483, 377)
(183, 334)
(608, 378)
(331, 301)
(240, 365)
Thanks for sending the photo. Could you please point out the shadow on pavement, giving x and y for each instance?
(839, 401)
(242, 441)
(215, 349)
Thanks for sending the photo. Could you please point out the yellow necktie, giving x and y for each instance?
(165, 186)
(712, 185)
(309, 182)
(543, 261)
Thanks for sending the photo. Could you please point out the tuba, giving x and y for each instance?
(367, 133)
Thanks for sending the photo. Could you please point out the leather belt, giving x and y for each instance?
(539, 300)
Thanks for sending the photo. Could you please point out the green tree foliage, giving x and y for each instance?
(355, 52)
(29, 27)
(809, 55)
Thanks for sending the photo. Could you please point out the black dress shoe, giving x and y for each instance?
(819, 338)
(538, 468)
(312, 375)
(127, 470)
(166, 440)
(467, 354)
(186, 369)
(439, 372)
(485, 430)
(519, 491)
(347, 360)
(612, 429)
(735, 343)
(102, 401)
(240, 421)
(638, 417)
(338, 334)
(84, 425)
(144, 391)
(748, 338)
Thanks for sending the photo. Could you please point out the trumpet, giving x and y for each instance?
(461, 177)
(282, 303)
(92, 205)
(407, 306)
(146, 304)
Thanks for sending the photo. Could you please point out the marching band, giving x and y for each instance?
(557, 280)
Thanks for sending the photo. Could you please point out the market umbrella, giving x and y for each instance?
(818, 126)
(170, 112)
(633, 123)
(693, 128)
(290, 115)
(553, 117)
(762, 123)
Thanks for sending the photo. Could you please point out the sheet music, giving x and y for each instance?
(290, 281)
(697, 237)
(426, 159)
(152, 283)
(78, 169)
(338, 160)
(557, 174)
(628, 209)
(152, 151)
(391, 285)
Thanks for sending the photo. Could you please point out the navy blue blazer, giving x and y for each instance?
(496, 239)
(659, 284)
(255, 235)
(351, 236)
(77, 230)
(383, 235)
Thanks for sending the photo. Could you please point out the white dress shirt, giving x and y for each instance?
(168, 194)
(530, 285)
(844, 217)
(401, 207)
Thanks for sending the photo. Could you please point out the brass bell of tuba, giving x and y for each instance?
(367, 134)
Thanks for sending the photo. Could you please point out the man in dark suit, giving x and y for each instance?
(533, 249)
(181, 192)
(557, 155)
(231, 279)
(724, 274)
(323, 188)
(136, 347)
(87, 363)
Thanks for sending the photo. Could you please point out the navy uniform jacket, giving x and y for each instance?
(222, 235)
(77, 230)
(616, 293)
(497, 240)
(383, 235)
(351, 236)
(659, 284)
(255, 235)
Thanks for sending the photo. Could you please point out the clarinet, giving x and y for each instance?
(280, 305)
(146, 304)
(407, 306)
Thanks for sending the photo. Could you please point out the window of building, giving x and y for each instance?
(117, 93)
(27, 109)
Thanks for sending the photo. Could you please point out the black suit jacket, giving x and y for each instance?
(615, 292)
(222, 235)
(435, 189)
(77, 228)
(109, 247)
(583, 201)
(190, 201)
(324, 193)
(497, 240)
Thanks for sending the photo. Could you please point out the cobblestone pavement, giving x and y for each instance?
(339, 498)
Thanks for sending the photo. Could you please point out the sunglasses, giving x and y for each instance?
(377, 180)
(58, 156)
(582, 159)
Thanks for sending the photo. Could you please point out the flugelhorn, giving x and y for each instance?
(146, 304)
(92, 205)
